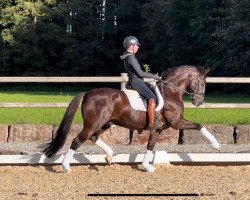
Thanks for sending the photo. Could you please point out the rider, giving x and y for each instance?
(136, 75)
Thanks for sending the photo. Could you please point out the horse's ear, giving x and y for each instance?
(206, 71)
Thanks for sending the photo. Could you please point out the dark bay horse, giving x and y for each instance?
(103, 107)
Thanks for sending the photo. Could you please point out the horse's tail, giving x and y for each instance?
(51, 148)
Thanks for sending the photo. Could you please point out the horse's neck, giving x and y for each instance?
(173, 92)
(175, 87)
(177, 82)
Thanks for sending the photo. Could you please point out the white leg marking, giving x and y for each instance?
(146, 160)
(105, 147)
(210, 137)
(66, 160)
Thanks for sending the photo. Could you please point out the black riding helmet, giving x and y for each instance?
(130, 40)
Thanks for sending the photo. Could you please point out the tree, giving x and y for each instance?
(232, 39)
(20, 23)
(62, 37)
(168, 32)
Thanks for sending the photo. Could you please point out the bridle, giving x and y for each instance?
(191, 94)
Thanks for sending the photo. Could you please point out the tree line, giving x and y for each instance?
(84, 38)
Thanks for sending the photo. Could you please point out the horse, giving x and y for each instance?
(103, 107)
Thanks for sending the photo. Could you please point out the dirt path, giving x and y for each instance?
(39, 182)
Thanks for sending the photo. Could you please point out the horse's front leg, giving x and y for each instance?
(149, 155)
(185, 124)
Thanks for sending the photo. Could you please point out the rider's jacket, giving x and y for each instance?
(133, 68)
(136, 75)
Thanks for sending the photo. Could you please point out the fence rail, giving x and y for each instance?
(91, 79)
(122, 79)
(65, 105)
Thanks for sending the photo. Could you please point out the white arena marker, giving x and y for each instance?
(161, 157)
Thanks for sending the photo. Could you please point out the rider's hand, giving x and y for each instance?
(158, 78)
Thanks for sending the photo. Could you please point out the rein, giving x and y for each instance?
(191, 94)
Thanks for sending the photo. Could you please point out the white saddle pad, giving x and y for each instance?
(139, 103)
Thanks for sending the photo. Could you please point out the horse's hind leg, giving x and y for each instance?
(83, 136)
(95, 139)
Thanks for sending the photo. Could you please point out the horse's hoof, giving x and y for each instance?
(150, 169)
(68, 171)
(216, 146)
(108, 159)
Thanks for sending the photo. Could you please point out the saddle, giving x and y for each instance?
(137, 102)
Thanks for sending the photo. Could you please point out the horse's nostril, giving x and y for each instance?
(200, 103)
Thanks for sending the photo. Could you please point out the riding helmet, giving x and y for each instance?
(130, 40)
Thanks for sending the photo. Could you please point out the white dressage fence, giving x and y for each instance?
(160, 157)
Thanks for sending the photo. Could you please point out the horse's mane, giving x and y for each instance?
(169, 72)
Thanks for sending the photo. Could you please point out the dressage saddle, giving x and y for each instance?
(153, 118)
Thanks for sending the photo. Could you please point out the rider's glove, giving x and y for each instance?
(158, 78)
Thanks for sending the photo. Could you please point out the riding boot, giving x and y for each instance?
(151, 114)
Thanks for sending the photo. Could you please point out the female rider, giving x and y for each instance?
(136, 75)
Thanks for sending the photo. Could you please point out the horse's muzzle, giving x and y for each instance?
(197, 103)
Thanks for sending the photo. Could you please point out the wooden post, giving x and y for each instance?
(124, 77)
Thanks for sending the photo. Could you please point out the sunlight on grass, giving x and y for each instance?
(35, 97)
(50, 116)
(218, 116)
(53, 116)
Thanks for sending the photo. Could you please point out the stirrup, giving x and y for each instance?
(158, 123)
(152, 127)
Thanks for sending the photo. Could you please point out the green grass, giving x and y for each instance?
(36, 97)
(50, 116)
(53, 116)
(219, 116)
(224, 99)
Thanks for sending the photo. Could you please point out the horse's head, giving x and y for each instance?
(197, 86)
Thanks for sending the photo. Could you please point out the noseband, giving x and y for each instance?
(191, 94)
(197, 84)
